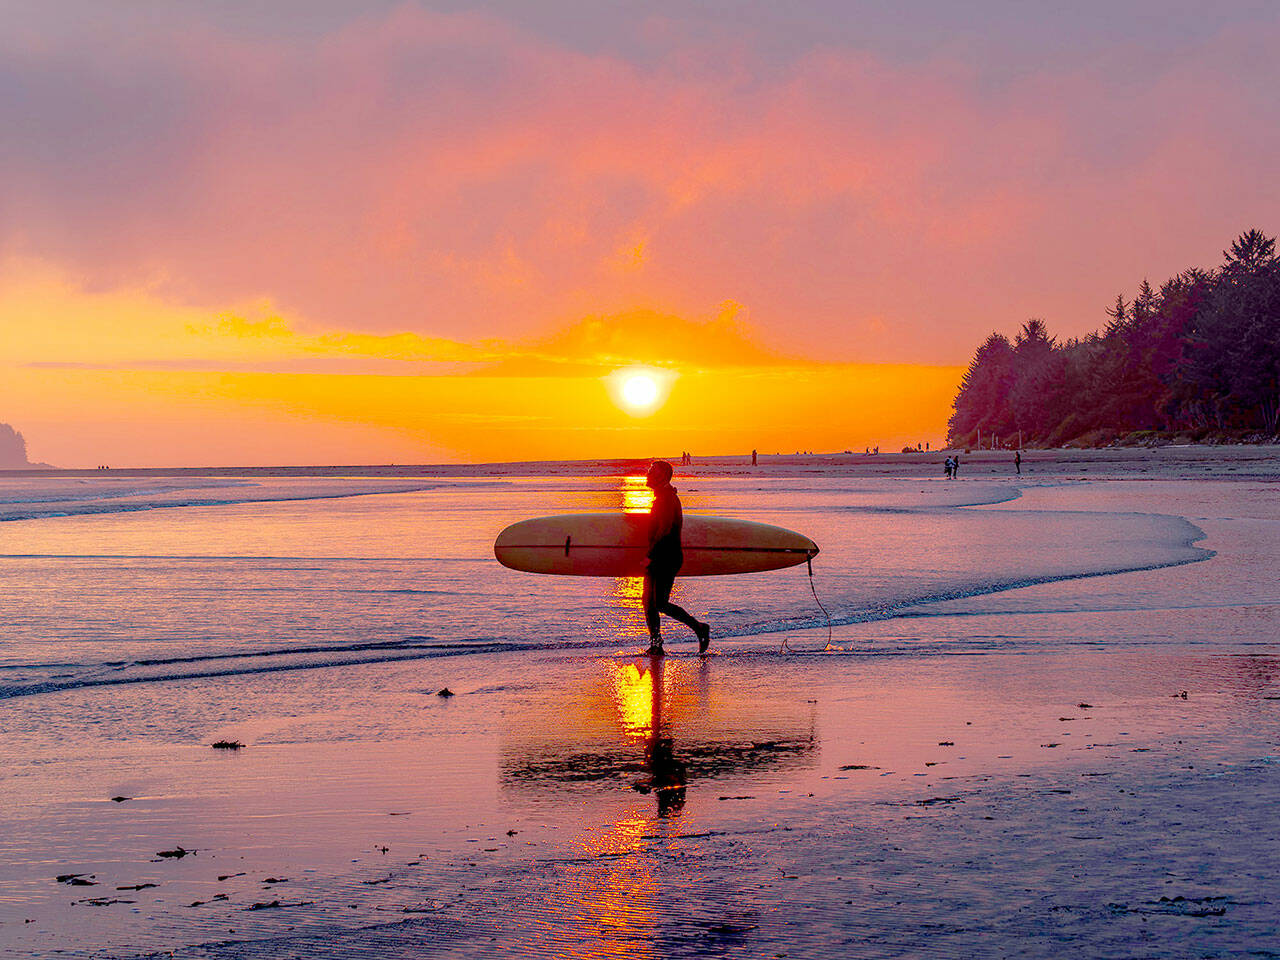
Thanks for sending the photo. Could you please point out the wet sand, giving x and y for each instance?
(813, 806)
(1111, 794)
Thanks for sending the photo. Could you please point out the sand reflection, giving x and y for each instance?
(640, 691)
(653, 725)
(614, 901)
(622, 751)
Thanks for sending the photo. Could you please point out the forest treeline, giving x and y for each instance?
(1200, 356)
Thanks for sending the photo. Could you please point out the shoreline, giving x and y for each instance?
(1058, 460)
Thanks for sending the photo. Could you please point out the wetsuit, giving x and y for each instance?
(665, 558)
(666, 518)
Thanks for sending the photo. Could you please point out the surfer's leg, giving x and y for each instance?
(680, 613)
(701, 630)
(649, 600)
(659, 582)
(677, 612)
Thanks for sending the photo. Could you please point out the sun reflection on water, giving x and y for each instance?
(633, 696)
(628, 590)
(617, 752)
(615, 901)
(636, 495)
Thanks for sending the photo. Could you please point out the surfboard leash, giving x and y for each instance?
(808, 562)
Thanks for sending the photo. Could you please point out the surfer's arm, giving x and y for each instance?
(661, 519)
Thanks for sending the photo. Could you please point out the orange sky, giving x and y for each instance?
(364, 231)
(184, 388)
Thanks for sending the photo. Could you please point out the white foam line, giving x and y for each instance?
(100, 508)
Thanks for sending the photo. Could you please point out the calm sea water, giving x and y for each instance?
(111, 580)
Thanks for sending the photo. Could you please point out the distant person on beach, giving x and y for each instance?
(1017, 462)
(947, 466)
(665, 557)
(955, 465)
(753, 458)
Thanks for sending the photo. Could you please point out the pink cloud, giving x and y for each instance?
(454, 176)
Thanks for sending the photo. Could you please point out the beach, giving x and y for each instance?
(1042, 721)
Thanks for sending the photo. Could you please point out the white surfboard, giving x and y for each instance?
(615, 545)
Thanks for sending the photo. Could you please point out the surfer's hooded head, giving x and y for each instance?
(659, 473)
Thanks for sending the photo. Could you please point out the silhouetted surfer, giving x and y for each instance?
(665, 557)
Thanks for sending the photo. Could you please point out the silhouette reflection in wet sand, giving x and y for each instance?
(673, 732)
(666, 773)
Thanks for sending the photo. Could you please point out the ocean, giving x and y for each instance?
(123, 579)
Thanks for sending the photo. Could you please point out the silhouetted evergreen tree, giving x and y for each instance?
(1202, 352)
(1233, 349)
(984, 388)
(1036, 376)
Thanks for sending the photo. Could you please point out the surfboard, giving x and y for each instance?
(616, 545)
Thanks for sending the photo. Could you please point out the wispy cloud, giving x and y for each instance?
(137, 330)
(467, 179)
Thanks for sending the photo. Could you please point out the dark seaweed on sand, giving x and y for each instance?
(276, 905)
(77, 879)
(701, 760)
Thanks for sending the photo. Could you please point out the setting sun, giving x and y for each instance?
(639, 390)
